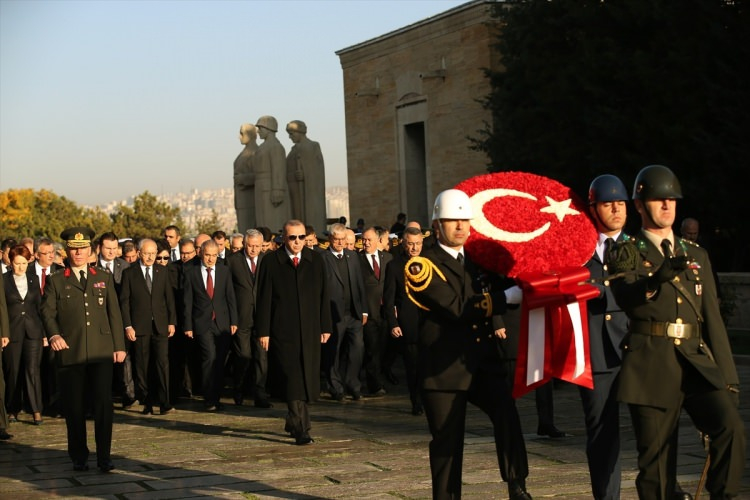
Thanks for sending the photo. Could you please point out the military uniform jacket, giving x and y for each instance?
(399, 310)
(89, 320)
(456, 332)
(651, 373)
(608, 323)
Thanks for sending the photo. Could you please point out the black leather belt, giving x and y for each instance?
(665, 329)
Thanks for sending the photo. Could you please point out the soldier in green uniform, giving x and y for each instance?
(82, 319)
(676, 353)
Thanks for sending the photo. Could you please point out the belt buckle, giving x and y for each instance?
(677, 330)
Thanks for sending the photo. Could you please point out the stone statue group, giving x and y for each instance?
(271, 187)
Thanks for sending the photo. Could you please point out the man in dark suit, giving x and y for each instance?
(676, 353)
(149, 316)
(293, 318)
(349, 315)
(210, 318)
(82, 320)
(402, 315)
(374, 267)
(44, 265)
(108, 259)
(246, 347)
(184, 374)
(459, 359)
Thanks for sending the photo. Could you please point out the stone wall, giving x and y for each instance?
(735, 290)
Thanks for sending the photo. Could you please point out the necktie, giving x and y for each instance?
(375, 267)
(609, 244)
(340, 256)
(666, 247)
(108, 265)
(295, 261)
(148, 279)
(252, 266)
(460, 259)
(83, 278)
(44, 279)
(174, 255)
(209, 283)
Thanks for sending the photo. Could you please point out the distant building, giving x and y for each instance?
(410, 102)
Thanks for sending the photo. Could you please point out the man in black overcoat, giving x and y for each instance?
(293, 318)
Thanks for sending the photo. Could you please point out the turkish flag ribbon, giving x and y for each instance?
(554, 336)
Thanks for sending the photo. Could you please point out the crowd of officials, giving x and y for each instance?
(284, 317)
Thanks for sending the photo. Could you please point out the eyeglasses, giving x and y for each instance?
(162, 258)
(292, 237)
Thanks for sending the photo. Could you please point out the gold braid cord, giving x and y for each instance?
(416, 282)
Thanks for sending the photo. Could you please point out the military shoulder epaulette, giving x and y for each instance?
(61, 270)
(690, 242)
(421, 279)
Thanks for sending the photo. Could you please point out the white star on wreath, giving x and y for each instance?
(559, 208)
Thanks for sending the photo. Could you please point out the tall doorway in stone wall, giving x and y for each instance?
(414, 171)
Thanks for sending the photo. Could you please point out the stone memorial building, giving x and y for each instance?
(410, 103)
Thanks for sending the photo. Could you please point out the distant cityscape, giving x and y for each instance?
(198, 205)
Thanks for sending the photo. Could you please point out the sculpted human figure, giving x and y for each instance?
(271, 192)
(244, 178)
(305, 173)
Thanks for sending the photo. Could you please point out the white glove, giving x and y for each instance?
(513, 295)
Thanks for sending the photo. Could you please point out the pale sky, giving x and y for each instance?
(101, 100)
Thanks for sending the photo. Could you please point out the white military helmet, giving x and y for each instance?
(452, 204)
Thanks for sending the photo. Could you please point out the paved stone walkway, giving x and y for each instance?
(373, 448)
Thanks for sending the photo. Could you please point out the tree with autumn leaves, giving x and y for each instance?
(26, 212)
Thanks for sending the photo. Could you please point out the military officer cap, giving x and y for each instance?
(77, 237)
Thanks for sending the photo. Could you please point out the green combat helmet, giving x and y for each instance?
(656, 182)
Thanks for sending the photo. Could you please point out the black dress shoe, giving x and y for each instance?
(337, 396)
(682, 495)
(263, 403)
(106, 465)
(147, 410)
(128, 403)
(550, 430)
(167, 411)
(517, 491)
(303, 440)
(4, 436)
(356, 396)
(80, 466)
(239, 399)
(417, 409)
(379, 393)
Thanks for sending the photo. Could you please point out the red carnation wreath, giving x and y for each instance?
(527, 223)
(537, 231)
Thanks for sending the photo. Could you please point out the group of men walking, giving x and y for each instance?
(326, 317)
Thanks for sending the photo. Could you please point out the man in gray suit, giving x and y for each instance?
(349, 315)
